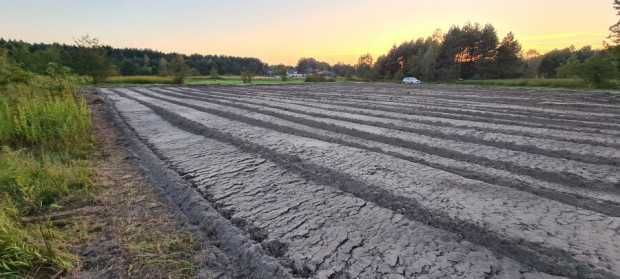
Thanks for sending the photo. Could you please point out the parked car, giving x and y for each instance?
(411, 80)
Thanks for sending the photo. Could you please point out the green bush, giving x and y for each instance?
(598, 71)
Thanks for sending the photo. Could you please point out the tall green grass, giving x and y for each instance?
(56, 123)
(45, 135)
(37, 183)
(119, 80)
(28, 251)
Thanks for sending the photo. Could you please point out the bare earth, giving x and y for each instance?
(130, 229)
(386, 181)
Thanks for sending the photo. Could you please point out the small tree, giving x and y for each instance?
(247, 76)
(162, 69)
(178, 69)
(213, 73)
(364, 67)
(91, 59)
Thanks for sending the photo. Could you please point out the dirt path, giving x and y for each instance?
(130, 230)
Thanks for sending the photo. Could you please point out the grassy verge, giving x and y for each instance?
(551, 83)
(44, 142)
(200, 80)
(60, 196)
(236, 80)
(129, 80)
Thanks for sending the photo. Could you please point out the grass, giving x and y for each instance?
(128, 80)
(551, 83)
(35, 184)
(45, 129)
(230, 80)
(236, 80)
(29, 250)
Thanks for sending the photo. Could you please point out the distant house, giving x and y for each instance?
(294, 74)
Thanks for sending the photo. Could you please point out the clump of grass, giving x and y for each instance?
(54, 123)
(28, 251)
(155, 252)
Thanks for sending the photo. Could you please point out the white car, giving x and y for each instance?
(411, 80)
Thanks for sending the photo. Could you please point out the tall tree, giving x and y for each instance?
(162, 68)
(178, 68)
(91, 59)
(615, 29)
(364, 67)
(508, 61)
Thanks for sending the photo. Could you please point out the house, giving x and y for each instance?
(294, 74)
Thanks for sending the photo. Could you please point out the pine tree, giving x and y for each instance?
(615, 29)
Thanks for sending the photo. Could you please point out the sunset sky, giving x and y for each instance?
(280, 31)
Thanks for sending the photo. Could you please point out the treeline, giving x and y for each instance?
(474, 51)
(124, 61)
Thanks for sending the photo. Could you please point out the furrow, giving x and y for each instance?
(576, 137)
(550, 235)
(603, 202)
(600, 177)
(486, 118)
(314, 229)
(497, 110)
(567, 150)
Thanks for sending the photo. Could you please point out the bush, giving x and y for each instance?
(598, 71)
(319, 78)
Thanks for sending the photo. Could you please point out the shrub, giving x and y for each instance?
(598, 71)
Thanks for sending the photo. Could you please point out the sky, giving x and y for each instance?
(279, 31)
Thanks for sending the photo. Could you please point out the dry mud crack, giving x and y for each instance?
(366, 181)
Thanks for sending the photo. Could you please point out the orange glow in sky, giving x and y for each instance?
(280, 31)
